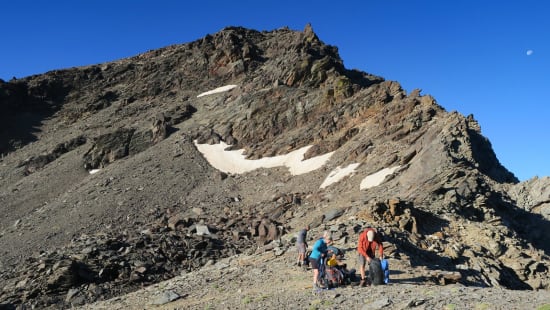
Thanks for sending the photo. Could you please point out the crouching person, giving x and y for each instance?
(334, 269)
(369, 242)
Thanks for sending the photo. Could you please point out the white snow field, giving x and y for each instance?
(236, 162)
(376, 178)
(338, 174)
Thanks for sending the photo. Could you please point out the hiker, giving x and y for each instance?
(369, 240)
(334, 268)
(319, 250)
(335, 257)
(301, 246)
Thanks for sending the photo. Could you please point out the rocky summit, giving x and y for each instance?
(183, 174)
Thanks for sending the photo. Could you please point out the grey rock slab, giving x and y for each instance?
(202, 230)
(166, 297)
(332, 214)
(71, 293)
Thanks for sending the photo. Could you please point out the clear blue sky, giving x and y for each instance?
(472, 56)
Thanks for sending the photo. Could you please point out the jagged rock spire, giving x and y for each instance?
(309, 33)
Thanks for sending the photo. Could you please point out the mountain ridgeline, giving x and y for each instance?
(103, 188)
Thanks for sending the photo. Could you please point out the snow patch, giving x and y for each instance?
(93, 171)
(236, 162)
(338, 174)
(217, 90)
(376, 178)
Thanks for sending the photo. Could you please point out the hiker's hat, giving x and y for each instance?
(370, 235)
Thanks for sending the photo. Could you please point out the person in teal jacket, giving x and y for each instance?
(319, 250)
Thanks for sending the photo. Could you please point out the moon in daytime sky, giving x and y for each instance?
(529, 52)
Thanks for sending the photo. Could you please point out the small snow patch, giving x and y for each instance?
(217, 90)
(338, 174)
(94, 171)
(377, 178)
(236, 162)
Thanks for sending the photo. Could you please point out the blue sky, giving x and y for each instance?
(472, 56)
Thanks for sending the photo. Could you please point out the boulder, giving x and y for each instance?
(333, 214)
(202, 230)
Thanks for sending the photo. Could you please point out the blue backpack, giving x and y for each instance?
(386, 269)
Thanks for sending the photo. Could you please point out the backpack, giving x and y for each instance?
(305, 263)
(376, 274)
(349, 275)
(334, 276)
(335, 250)
(385, 268)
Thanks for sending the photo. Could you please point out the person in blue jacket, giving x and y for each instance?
(319, 250)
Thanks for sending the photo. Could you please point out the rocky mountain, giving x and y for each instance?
(119, 175)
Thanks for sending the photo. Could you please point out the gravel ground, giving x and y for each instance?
(262, 282)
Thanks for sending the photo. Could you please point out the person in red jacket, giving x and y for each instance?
(369, 241)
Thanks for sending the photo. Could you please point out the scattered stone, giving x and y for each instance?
(415, 302)
(202, 230)
(166, 297)
(71, 293)
(333, 214)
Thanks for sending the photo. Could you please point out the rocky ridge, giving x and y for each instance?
(157, 208)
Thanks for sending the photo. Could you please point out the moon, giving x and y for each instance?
(529, 52)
